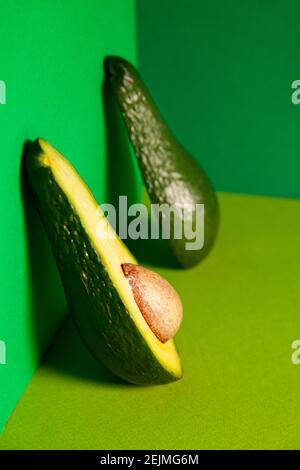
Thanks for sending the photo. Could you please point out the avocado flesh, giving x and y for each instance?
(98, 294)
(170, 174)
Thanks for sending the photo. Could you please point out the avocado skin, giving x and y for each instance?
(100, 316)
(170, 174)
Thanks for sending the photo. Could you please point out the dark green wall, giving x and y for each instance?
(221, 73)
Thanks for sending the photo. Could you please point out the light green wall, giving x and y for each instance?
(221, 73)
(51, 56)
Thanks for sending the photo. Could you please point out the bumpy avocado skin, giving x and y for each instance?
(170, 174)
(101, 318)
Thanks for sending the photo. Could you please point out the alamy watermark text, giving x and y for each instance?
(184, 222)
(2, 353)
(2, 92)
(295, 358)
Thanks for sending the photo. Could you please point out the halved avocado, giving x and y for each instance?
(89, 256)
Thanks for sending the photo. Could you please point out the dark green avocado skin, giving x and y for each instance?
(101, 318)
(170, 174)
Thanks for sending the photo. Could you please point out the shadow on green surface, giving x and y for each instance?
(153, 253)
(122, 180)
(120, 177)
(68, 356)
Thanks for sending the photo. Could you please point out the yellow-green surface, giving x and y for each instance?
(240, 388)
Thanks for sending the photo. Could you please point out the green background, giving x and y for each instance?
(221, 73)
(51, 60)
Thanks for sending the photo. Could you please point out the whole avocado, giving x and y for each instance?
(170, 174)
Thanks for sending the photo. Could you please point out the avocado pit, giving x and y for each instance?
(157, 300)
